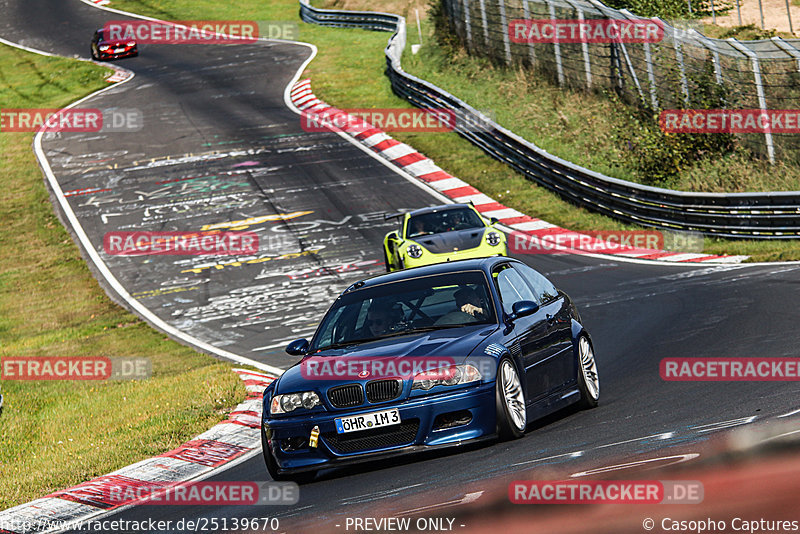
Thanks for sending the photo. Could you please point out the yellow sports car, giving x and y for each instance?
(439, 234)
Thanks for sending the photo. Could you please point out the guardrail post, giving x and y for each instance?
(615, 68)
(628, 15)
(717, 66)
(526, 12)
(682, 67)
(504, 24)
(648, 59)
(452, 13)
(633, 72)
(485, 24)
(556, 45)
(789, 49)
(468, 24)
(708, 44)
(762, 99)
(587, 65)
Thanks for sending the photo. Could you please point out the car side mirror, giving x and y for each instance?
(494, 220)
(298, 347)
(523, 308)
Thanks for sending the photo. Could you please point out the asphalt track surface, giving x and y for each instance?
(219, 144)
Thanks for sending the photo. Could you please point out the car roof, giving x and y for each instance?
(475, 264)
(443, 207)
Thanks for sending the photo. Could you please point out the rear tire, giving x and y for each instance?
(510, 402)
(588, 379)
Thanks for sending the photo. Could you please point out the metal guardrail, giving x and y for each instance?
(773, 215)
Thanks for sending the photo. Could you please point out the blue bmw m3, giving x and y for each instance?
(429, 357)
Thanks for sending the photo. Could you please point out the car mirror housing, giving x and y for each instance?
(523, 308)
(494, 220)
(298, 347)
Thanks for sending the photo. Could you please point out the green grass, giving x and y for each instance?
(57, 434)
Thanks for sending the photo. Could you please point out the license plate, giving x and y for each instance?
(119, 50)
(367, 421)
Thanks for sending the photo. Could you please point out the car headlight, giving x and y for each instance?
(493, 238)
(291, 401)
(131, 43)
(446, 376)
(415, 251)
(103, 47)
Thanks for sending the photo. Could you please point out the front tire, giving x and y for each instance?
(386, 261)
(588, 379)
(510, 402)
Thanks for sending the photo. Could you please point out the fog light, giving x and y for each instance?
(294, 444)
(452, 419)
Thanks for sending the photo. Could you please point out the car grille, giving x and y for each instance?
(346, 396)
(383, 390)
(391, 436)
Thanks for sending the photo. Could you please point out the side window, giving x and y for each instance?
(544, 289)
(326, 337)
(512, 288)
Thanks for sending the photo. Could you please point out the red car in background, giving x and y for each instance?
(103, 48)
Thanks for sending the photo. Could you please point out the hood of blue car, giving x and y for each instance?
(451, 241)
(328, 368)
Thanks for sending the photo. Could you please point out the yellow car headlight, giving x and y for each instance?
(414, 251)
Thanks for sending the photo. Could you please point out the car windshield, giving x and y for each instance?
(405, 307)
(443, 221)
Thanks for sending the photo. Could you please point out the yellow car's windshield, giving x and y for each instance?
(437, 222)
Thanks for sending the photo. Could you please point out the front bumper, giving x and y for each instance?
(478, 401)
(429, 258)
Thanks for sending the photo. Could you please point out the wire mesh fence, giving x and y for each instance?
(674, 68)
